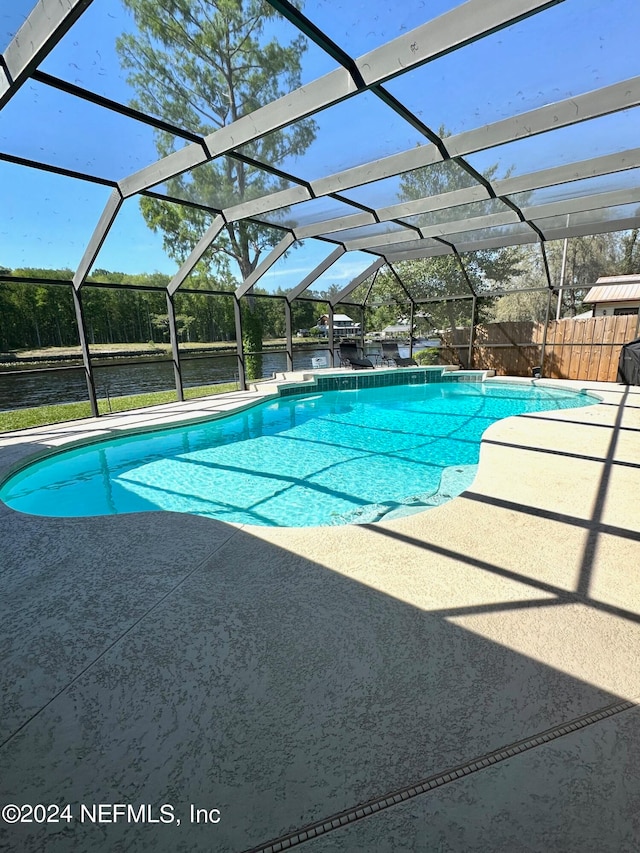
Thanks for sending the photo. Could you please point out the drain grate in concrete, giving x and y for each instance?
(336, 821)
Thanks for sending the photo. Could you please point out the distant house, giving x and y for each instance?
(612, 296)
(343, 326)
(399, 330)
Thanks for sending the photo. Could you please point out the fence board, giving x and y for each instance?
(560, 350)
(575, 349)
(607, 349)
(578, 340)
(596, 350)
(564, 356)
(602, 330)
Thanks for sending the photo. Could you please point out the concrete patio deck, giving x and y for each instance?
(461, 679)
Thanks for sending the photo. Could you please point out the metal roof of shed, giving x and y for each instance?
(621, 288)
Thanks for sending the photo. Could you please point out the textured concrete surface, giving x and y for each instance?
(544, 799)
(285, 676)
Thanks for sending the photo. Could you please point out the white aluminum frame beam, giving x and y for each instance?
(297, 105)
(379, 241)
(46, 24)
(393, 257)
(429, 300)
(467, 23)
(585, 229)
(599, 102)
(267, 203)
(428, 204)
(306, 282)
(276, 253)
(5, 86)
(171, 166)
(330, 226)
(113, 205)
(582, 204)
(358, 280)
(424, 244)
(473, 223)
(198, 251)
(497, 242)
(385, 167)
(595, 167)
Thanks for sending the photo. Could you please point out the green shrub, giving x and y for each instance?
(252, 344)
(427, 356)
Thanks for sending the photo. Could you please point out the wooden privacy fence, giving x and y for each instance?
(573, 349)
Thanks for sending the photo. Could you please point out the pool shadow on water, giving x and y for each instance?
(167, 659)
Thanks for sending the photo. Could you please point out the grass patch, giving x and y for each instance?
(24, 418)
(44, 415)
(210, 390)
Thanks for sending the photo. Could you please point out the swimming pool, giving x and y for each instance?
(337, 457)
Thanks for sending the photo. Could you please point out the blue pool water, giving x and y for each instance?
(333, 458)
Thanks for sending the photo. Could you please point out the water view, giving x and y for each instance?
(26, 388)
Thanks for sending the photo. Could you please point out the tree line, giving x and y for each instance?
(34, 316)
(204, 66)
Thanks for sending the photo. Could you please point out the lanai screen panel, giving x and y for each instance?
(386, 301)
(357, 142)
(12, 17)
(433, 278)
(108, 65)
(339, 274)
(491, 269)
(571, 48)
(350, 133)
(52, 127)
(294, 265)
(143, 252)
(364, 292)
(55, 212)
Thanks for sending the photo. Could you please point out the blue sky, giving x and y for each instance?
(47, 220)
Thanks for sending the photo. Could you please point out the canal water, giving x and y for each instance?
(22, 389)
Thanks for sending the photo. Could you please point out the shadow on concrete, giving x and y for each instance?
(161, 659)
